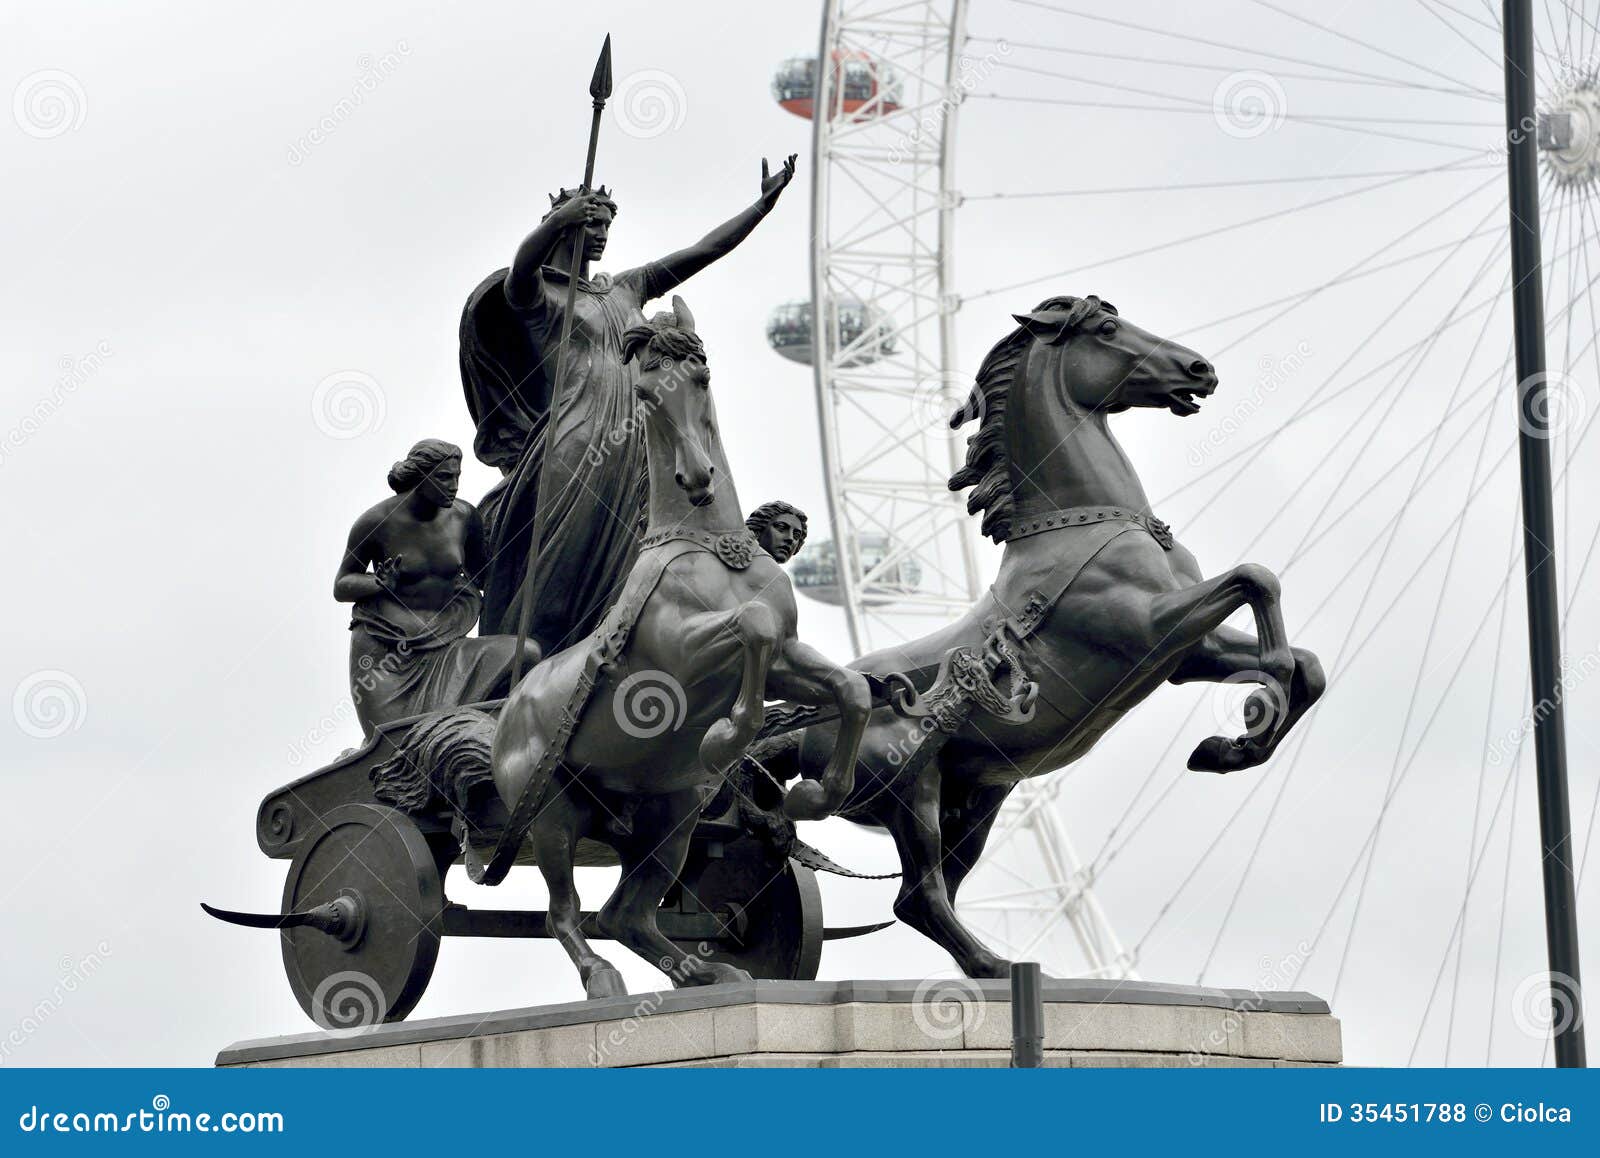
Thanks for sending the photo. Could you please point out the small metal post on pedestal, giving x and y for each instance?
(1027, 1016)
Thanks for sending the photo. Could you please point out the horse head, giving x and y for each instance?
(1042, 395)
(674, 390)
(1108, 364)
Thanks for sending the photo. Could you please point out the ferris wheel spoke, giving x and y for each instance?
(1215, 231)
(1420, 350)
(1344, 278)
(1246, 183)
(1353, 272)
(1231, 67)
(1483, 776)
(1494, 62)
(1397, 773)
(1381, 51)
(1267, 54)
(1209, 107)
(1395, 391)
(1505, 907)
(1456, 929)
(1253, 451)
(1288, 774)
(1347, 654)
(1357, 125)
(1393, 789)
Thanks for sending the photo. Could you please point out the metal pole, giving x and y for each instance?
(1538, 541)
(1027, 1016)
(599, 93)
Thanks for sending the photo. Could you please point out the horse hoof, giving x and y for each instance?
(1220, 754)
(806, 801)
(605, 982)
(714, 973)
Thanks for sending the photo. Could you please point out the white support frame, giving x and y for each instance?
(883, 202)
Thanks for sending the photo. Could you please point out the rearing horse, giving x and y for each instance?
(623, 738)
(1095, 602)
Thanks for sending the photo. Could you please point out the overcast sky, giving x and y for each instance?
(218, 330)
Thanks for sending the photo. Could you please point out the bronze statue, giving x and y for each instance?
(625, 737)
(779, 527)
(510, 332)
(1095, 606)
(409, 646)
(668, 624)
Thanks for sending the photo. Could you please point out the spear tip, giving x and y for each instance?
(600, 86)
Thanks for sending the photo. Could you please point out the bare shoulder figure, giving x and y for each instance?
(779, 527)
(413, 567)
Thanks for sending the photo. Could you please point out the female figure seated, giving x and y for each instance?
(409, 646)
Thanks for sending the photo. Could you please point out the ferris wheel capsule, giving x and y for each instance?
(862, 333)
(870, 87)
(815, 571)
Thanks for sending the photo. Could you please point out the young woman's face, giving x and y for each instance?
(782, 537)
(440, 484)
(596, 234)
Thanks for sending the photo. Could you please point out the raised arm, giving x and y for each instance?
(540, 246)
(677, 268)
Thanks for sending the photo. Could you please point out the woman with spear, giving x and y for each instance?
(572, 449)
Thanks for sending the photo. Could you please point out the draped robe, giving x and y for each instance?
(597, 481)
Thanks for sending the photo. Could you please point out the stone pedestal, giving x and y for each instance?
(844, 1023)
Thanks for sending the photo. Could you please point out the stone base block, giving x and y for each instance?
(831, 1024)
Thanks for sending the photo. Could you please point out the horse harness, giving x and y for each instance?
(1084, 516)
(965, 680)
(736, 549)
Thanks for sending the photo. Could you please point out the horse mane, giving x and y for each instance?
(662, 338)
(988, 467)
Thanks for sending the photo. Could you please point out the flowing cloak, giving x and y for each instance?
(598, 481)
(404, 662)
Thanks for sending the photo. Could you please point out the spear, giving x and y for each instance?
(599, 92)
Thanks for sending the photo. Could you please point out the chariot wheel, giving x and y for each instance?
(371, 870)
(773, 913)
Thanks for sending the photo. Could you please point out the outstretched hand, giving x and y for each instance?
(773, 184)
(387, 572)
